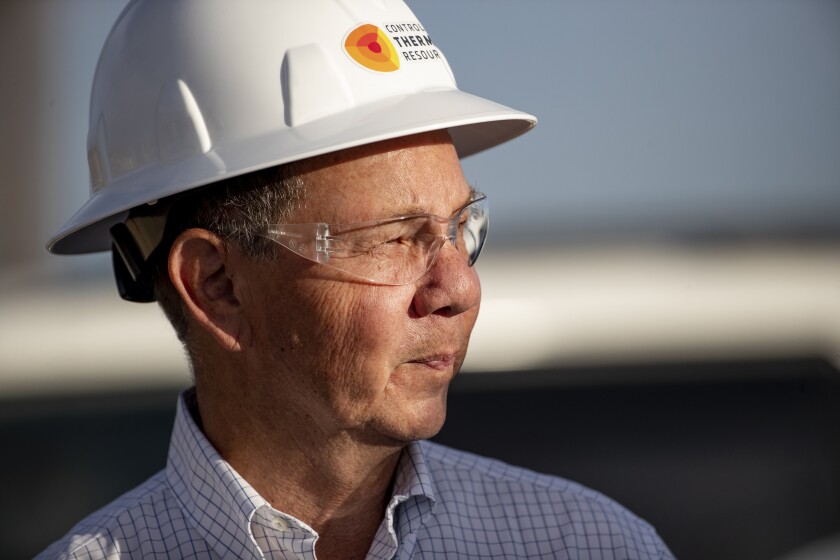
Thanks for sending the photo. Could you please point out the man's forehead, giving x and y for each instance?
(415, 174)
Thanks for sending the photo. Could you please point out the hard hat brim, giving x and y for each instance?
(475, 124)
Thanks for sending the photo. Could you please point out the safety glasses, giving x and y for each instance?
(394, 251)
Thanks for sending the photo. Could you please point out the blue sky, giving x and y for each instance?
(689, 116)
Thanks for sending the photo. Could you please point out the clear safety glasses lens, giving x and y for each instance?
(395, 251)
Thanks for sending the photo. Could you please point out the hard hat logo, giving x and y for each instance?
(369, 46)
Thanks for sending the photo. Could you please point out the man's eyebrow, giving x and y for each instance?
(470, 198)
(412, 210)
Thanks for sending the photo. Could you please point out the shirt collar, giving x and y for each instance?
(222, 504)
(210, 491)
(412, 476)
(412, 503)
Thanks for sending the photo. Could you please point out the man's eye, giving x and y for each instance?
(462, 223)
(380, 244)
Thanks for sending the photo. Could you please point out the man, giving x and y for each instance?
(284, 178)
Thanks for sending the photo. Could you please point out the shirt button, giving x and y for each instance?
(279, 523)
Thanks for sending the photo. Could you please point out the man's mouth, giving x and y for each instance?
(439, 362)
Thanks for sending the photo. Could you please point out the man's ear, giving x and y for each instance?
(200, 270)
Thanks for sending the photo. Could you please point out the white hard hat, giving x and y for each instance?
(190, 92)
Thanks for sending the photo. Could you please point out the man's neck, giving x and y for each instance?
(338, 485)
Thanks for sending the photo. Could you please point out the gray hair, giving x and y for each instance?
(236, 209)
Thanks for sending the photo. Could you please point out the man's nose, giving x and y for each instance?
(449, 287)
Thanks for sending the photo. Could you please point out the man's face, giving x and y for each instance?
(371, 361)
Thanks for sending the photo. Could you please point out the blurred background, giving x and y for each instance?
(661, 315)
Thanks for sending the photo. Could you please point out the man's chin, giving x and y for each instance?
(417, 423)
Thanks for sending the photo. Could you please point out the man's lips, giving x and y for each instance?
(439, 362)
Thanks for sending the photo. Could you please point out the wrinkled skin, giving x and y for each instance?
(344, 355)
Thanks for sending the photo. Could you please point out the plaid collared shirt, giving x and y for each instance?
(445, 504)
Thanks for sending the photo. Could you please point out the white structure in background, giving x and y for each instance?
(594, 306)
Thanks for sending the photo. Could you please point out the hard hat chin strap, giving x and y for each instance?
(134, 242)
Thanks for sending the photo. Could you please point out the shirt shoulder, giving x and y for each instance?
(530, 514)
(142, 523)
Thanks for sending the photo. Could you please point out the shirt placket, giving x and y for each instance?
(281, 536)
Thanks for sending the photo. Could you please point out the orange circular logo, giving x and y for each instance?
(371, 48)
